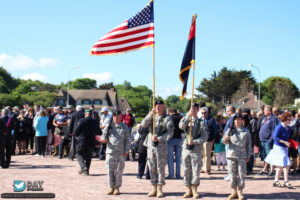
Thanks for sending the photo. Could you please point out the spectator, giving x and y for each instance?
(51, 129)
(128, 119)
(105, 119)
(265, 136)
(14, 115)
(7, 137)
(142, 151)
(134, 139)
(298, 135)
(65, 140)
(75, 117)
(31, 132)
(219, 146)
(20, 132)
(85, 132)
(292, 152)
(60, 120)
(174, 145)
(278, 156)
(246, 123)
(207, 146)
(40, 126)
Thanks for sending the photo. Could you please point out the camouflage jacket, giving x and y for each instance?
(164, 129)
(118, 138)
(200, 132)
(239, 145)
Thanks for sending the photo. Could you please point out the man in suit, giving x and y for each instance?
(85, 133)
(75, 117)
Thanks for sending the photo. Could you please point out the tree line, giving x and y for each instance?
(221, 88)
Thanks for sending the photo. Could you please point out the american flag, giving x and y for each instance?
(135, 33)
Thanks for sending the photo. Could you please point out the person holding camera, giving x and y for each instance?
(192, 150)
(238, 154)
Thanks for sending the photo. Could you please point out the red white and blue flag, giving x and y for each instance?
(135, 33)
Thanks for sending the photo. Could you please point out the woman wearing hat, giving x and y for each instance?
(238, 153)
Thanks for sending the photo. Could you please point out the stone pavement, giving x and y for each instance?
(61, 177)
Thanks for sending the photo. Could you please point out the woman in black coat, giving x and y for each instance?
(20, 132)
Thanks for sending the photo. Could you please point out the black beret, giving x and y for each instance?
(237, 116)
(159, 102)
(195, 105)
(116, 112)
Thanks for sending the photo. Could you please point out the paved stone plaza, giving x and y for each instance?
(61, 177)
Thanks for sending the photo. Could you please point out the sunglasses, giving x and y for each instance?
(203, 113)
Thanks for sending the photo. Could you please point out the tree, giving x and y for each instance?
(279, 91)
(222, 85)
(7, 82)
(83, 83)
(106, 86)
(127, 85)
(139, 97)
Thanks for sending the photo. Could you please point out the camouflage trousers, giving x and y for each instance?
(115, 165)
(157, 160)
(191, 164)
(236, 170)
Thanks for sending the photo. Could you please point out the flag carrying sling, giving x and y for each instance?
(134, 33)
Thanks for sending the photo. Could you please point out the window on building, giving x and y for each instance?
(61, 102)
(97, 102)
(86, 102)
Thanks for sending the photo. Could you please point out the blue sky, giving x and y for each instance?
(45, 39)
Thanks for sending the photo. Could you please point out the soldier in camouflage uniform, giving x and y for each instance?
(238, 153)
(192, 150)
(117, 137)
(157, 146)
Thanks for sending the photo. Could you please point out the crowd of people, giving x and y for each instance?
(164, 137)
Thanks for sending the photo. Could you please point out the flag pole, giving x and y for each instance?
(193, 81)
(153, 96)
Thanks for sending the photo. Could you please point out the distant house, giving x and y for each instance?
(249, 101)
(86, 98)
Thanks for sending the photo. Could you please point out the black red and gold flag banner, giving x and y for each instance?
(188, 58)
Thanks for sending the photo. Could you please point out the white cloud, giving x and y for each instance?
(22, 62)
(101, 78)
(164, 92)
(34, 76)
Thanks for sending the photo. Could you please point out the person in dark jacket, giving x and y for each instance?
(207, 146)
(174, 145)
(7, 141)
(2, 143)
(85, 133)
(65, 140)
(246, 123)
(20, 132)
(142, 151)
(267, 128)
(75, 117)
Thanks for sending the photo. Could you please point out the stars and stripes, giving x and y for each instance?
(135, 33)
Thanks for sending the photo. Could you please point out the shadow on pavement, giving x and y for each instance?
(98, 174)
(132, 193)
(40, 166)
(283, 195)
